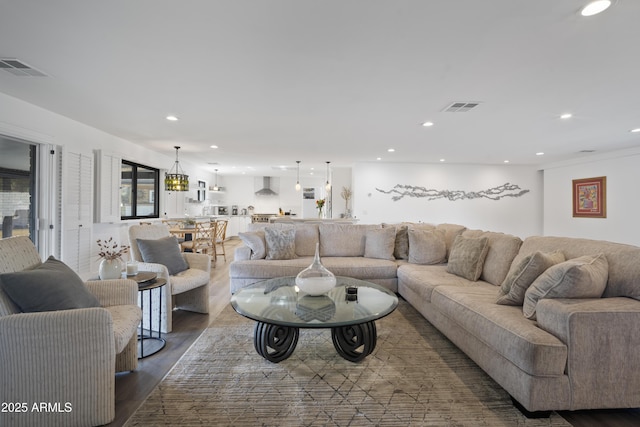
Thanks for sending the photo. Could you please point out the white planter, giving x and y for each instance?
(110, 269)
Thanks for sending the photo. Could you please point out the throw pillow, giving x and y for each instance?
(427, 246)
(280, 243)
(379, 243)
(50, 286)
(165, 251)
(583, 277)
(254, 241)
(522, 275)
(401, 246)
(467, 255)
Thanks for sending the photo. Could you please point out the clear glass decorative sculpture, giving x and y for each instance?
(316, 279)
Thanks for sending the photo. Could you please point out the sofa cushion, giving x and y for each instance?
(356, 267)
(307, 235)
(503, 328)
(582, 277)
(50, 286)
(256, 242)
(624, 268)
(503, 248)
(401, 246)
(522, 275)
(467, 257)
(343, 239)
(451, 231)
(423, 279)
(379, 243)
(165, 251)
(427, 246)
(280, 243)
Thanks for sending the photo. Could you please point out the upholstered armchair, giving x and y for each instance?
(66, 357)
(189, 288)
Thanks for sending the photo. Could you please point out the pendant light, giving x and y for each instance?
(215, 187)
(176, 179)
(298, 181)
(328, 184)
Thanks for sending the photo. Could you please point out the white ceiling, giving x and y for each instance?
(275, 81)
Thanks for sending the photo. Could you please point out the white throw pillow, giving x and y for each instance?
(256, 242)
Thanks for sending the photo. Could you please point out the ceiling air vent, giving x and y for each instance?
(19, 68)
(460, 107)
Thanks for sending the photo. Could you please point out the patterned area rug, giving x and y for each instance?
(414, 377)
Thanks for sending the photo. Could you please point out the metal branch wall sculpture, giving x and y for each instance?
(496, 193)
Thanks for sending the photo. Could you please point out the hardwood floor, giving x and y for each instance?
(133, 388)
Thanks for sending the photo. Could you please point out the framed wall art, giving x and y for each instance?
(590, 197)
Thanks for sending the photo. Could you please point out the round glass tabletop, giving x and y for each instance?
(278, 301)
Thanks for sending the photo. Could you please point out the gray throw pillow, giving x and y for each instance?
(281, 243)
(256, 242)
(165, 251)
(522, 275)
(379, 243)
(467, 255)
(427, 246)
(582, 277)
(50, 286)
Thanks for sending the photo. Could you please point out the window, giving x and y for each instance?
(139, 186)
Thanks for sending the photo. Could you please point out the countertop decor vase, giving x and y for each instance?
(316, 279)
(110, 269)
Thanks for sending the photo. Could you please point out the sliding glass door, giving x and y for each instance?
(17, 188)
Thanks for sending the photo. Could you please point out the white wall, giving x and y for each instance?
(240, 190)
(520, 216)
(623, 174)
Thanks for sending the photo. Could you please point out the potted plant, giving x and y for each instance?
(112, 265)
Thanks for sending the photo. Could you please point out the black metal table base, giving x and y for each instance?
(276, 343)
(355, 342)
(148, 345)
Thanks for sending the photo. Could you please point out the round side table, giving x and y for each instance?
(149, 344)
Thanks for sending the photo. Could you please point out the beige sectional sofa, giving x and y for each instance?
(571, 353)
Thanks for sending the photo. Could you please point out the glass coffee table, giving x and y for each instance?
(280, 310)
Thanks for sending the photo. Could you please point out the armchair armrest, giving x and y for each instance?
(198, 261)
(58, 356)
(114, 292)
(602, 337)
(242, 253)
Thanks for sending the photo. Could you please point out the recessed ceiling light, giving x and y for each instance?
(540, 153)
(566, 116)
(378, 158)
(595, 7)
(442, 160)
(506, 161)
(172, 118)
(635, 130)
(427, 124)
(214, 146)
(391, 150)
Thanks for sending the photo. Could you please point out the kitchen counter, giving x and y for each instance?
(295, 219)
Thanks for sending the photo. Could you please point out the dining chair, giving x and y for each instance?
(202, 239)
(221, 235)
(175, 225)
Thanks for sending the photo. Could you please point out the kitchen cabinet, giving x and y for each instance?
(237, 224)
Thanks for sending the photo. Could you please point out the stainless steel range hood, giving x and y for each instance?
(266, 188)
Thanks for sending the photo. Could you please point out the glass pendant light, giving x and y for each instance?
(298, 181)
(176, 179)
(328, 184)
(215, 186)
